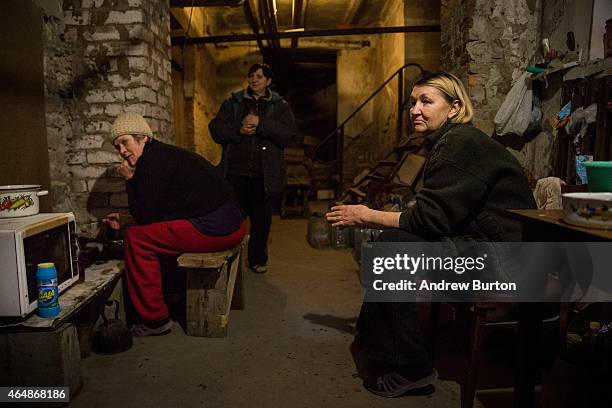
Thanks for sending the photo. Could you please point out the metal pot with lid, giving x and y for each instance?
(20, 200)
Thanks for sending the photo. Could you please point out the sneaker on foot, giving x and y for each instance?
(394, 385)
(142, 330)
(259, 268)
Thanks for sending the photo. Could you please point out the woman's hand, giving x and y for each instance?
(250, 119)
(248, 130)
(113, 220)
(249, 124)
(362, 216)
(125, 170)
(349, 216)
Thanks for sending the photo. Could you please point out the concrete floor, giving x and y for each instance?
(288, 348)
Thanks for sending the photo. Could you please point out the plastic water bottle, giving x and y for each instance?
(46, 277)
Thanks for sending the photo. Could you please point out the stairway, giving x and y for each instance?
(399, 166)
(400, 169)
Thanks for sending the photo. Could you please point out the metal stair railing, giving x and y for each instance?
(338, 133)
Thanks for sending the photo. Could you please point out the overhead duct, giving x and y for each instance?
(435, 28)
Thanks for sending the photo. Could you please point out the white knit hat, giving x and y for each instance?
(129, 123)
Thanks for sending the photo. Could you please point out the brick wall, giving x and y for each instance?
(103, 58)
(489, 44)
(455, 18)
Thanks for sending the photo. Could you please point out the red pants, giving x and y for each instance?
(144, 244)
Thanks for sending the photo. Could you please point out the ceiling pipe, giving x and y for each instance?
(206, 3)
(263, 20)
(250, 18)
(305, 34)
(273, 21)
(267, 16)
(296, 17)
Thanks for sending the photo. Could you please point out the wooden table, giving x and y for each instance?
(540, 226)
(548, 226)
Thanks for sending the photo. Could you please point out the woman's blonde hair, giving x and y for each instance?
(453, 90)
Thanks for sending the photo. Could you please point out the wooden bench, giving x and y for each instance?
(214, 286)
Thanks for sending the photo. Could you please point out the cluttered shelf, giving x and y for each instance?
(584, 127)
(99, 279)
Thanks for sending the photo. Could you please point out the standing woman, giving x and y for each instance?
(254, 125)
(469, 180)
(179, 203)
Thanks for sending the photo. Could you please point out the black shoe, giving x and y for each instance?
(394, 385)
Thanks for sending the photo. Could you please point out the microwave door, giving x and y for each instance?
(12, 300)
(49, 246)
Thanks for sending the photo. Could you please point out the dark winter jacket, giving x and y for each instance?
(171, 183)
(260, 155)
(469, 180)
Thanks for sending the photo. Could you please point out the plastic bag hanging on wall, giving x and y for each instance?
(513, 116)
(535, 120)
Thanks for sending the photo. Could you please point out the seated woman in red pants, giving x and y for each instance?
(179, 204)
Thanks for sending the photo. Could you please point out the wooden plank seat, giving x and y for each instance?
(214, 286)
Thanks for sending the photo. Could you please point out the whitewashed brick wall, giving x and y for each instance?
(103, 58)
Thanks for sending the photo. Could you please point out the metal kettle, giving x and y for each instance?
(113, 336)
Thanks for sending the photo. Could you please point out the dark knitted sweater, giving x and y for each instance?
(171, 183)
(469, 180)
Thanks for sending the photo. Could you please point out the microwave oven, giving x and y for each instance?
(24, 243)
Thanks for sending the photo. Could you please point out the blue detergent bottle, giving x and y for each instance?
(46, 277)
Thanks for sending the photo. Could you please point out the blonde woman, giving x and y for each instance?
(468, 181)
